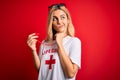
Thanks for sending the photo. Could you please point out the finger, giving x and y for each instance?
(31, 34)
(33, 37)
(34, 34)
(32, 42)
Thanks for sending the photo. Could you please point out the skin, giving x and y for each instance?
(60, 23)
(32, 44)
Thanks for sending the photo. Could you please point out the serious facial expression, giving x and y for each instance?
(60, 21)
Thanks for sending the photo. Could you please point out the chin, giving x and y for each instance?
(60, 31)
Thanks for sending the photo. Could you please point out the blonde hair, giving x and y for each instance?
(70, 28)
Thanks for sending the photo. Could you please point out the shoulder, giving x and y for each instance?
(75, 40)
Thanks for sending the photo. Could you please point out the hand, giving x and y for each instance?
(31, 41)
(59, 38)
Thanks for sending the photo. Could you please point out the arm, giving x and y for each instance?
(36, 60)
(70, 69)
(32, 45)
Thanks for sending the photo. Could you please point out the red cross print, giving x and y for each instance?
(50, 62)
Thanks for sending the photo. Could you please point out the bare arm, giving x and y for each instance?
(36, 60)
(32, 44)
(70, 69)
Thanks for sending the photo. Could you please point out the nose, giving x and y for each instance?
(59, 21)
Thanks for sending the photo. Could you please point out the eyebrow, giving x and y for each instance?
(60, 15)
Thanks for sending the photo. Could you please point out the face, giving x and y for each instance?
(60, 21)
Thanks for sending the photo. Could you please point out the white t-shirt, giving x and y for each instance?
(50, 67)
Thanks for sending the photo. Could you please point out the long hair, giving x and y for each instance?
(50, 31)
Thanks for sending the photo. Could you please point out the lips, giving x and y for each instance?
(60, 26)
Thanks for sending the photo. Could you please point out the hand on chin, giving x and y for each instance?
(59, 37)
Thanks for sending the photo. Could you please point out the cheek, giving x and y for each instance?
(66, 23)
(54, 27)
(54, 24)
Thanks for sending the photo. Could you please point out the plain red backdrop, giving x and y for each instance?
(96, 22)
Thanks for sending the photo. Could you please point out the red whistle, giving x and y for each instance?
(37, 34)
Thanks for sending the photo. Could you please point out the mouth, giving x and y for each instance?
(60, 26)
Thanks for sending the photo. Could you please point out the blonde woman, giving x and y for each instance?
(60, 53)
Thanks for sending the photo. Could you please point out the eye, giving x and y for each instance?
(62, 17)
(54, 18)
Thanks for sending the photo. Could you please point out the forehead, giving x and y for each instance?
(58, 13)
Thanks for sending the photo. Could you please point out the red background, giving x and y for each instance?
(96, 22)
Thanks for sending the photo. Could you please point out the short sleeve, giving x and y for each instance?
(75, 52)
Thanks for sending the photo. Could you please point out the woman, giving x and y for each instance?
(59, 56)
